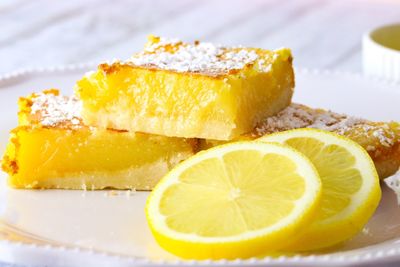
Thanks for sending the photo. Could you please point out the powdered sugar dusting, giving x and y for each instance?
(172, 54)
(299, 116)
(55, 109)
(385, 137)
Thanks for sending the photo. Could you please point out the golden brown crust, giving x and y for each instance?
(387, 161)
(9, 163)
(115, 67)
(204, 59)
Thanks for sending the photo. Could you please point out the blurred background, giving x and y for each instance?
(322, 33)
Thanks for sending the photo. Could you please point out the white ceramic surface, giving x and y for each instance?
(77, 228)
(381, 52)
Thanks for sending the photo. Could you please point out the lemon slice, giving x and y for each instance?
(350, 186)
(234, 201)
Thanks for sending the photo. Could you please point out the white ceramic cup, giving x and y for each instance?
(381, 52)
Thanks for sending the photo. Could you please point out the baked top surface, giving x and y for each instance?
(50, 109)
(201, 57)
(375, 134)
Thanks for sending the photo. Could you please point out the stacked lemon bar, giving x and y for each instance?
(189, 90)
(131, 121)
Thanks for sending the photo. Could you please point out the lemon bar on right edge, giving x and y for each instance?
(187, 90)
(380, 139)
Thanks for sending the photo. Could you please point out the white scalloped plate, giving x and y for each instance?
(76, 228)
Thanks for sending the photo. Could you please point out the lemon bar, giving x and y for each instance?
(187, 90)
(52, 148)
(380, 139)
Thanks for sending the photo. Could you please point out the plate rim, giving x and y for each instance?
(341, 258)
(70, 68)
